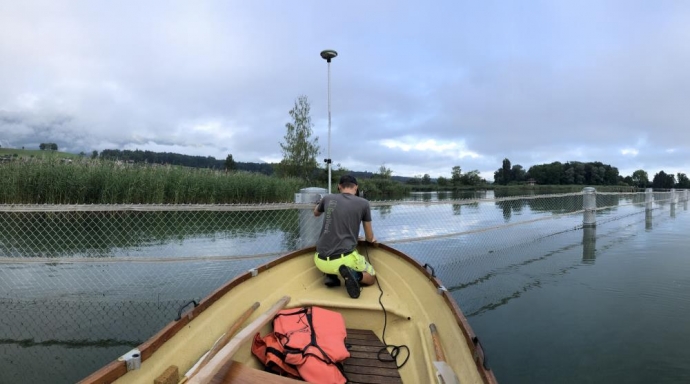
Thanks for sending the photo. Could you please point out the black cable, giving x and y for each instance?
(395, 351)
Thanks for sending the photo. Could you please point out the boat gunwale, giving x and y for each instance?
(117, 368)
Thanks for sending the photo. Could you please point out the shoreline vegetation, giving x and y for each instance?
(51, 177)
(94, 181)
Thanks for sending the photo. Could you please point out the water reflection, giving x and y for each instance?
(383, 210)
(648, 219)
(100, 234)
(589, 244)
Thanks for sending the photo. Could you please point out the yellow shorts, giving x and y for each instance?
(354, 260)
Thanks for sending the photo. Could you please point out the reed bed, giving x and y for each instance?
(54, 181)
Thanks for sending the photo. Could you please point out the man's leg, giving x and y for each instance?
(352, 279)
(332, 280)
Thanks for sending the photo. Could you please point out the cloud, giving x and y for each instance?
(418, 88)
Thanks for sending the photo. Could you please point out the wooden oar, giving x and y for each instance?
(226, 353)
(220, 343)
(444, 372)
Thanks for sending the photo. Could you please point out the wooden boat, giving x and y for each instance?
(413, 298)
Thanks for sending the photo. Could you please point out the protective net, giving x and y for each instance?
(81, 285)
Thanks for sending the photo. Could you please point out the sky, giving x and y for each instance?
(418, 87)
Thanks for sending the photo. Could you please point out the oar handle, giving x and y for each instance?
(438, 349)
(224, 340)
(225, 354)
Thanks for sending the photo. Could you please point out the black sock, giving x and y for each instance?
(360, 275)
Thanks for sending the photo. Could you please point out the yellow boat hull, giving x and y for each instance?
(411, 296)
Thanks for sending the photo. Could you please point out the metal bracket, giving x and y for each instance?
(429, 267)
(179, 311)
(132, 359)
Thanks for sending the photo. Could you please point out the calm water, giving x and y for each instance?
(616, 312)
(566, 305)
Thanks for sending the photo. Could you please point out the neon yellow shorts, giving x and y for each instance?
(354, 260)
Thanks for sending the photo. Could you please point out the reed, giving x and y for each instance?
(54, 181)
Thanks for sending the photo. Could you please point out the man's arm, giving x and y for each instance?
(368, 232)
(317, 213)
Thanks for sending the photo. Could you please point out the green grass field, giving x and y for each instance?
(36, 153)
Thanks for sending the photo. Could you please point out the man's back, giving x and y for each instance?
(343, 214)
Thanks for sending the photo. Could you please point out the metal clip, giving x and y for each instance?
(132, 359)
(254, 272)
(442, 289)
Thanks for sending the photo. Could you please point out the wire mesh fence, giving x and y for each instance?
(81, 285)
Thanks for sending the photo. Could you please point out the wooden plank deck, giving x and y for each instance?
(363, 366)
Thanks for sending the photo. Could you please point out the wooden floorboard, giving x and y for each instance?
(364, 365)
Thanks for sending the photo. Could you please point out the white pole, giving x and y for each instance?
(327, 55)
(329, 126)
(589, 205)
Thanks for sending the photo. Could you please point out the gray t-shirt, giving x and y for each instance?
(343, 214)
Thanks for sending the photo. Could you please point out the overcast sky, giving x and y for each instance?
(417, 86)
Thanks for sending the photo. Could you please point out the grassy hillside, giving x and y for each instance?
(36, 153)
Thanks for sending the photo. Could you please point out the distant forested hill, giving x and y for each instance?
(139, 156)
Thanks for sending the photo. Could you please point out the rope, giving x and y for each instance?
(396, 349)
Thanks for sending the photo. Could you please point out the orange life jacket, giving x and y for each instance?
(306, 342)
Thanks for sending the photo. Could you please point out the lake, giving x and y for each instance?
(552, 302)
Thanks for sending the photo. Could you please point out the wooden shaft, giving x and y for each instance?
(438, 349)
(224, 340)
(226, 353)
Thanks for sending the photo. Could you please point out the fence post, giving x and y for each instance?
(674, 200)
(648, 198)
(309, 226)
(589, 204)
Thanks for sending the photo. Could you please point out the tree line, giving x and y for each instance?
(584, 173)
(210, 162)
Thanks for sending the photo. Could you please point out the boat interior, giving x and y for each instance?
(396, 312)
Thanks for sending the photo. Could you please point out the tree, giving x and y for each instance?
(663, 180)
(384, 173)
(640, 178)
(505, 172)
(94, 154)
(683, 181)
(441, 181)
(415, 180)
(230, 164)
(299, 151)
(471, 178)
(426, 179)
(49, 146)
(455, 175)
(517, 173)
